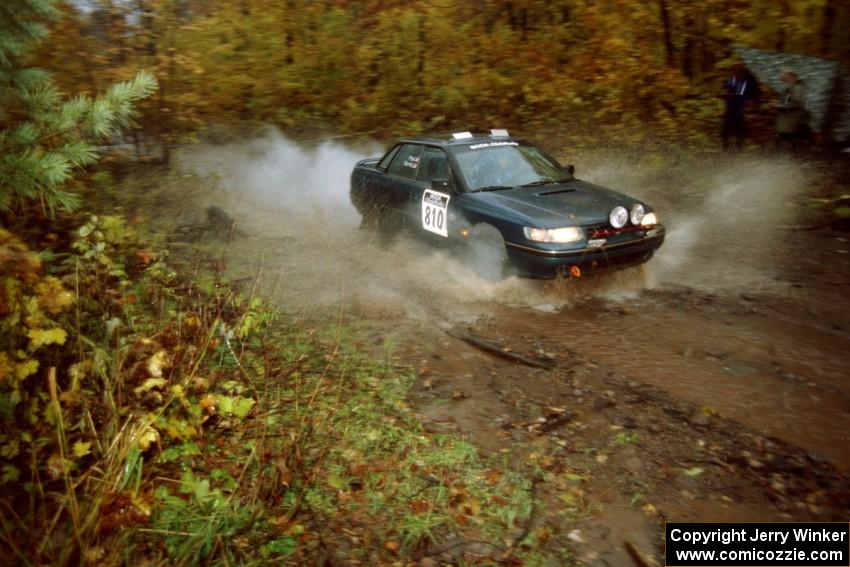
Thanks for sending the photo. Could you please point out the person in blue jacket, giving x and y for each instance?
(740, 90)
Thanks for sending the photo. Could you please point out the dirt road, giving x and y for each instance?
(710, 385)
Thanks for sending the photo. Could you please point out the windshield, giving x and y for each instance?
(505, 164)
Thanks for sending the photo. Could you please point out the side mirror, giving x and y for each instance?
(571, 169)
(441, 185)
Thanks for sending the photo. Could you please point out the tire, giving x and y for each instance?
(486, 253)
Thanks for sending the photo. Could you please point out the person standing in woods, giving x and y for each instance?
(792, 121)
(740, 89)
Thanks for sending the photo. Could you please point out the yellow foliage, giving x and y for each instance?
(82, 448)
(148, 385)
(52, 296)
(157, 362)
(78, 372)
(146, 437)
(180, 429)
(25, 369)
(42, 337)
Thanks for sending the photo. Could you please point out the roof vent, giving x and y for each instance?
(462, 135)
(499, 133)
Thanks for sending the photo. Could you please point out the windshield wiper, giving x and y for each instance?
(540, 182)
(494, 188)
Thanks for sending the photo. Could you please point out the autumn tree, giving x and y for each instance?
(434, 64)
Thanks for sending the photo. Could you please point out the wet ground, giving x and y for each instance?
(710, 385)
(671, 403)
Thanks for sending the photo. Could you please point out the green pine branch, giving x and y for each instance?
(51, 137)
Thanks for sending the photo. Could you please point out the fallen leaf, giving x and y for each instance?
(157, 362)
(148, 385)
(493, 476)
(208, 403)
(419, 506)
(123, 510)
(145, 256)
(147, 436)
(200, 384)
(693, 472)
(391, 546)
(284, 475)
(55, 467)
(552, 411)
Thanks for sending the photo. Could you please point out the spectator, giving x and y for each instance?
(740, 89)
(792, 121)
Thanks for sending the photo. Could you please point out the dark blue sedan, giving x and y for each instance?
(506, 204)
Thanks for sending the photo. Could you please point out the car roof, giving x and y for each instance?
(463, 138)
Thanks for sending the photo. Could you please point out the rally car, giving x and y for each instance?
(507, 205)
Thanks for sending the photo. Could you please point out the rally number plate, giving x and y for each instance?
(435, 212)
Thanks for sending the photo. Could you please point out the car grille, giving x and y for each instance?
(606, 230)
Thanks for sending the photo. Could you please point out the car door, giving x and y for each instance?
(402, 182)
(432, 210)
(370, 187)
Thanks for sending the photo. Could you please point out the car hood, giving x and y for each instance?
(573, 202)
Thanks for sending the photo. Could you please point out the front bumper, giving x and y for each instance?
(540, 263)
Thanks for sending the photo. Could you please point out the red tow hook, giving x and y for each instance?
(575, 272)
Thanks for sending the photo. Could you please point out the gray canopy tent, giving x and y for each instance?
(827, 87)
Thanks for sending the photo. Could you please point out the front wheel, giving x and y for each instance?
(486, 253)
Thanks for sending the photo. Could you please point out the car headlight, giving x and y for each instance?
(649, 219)
(559, 235)
(619, 217)
(636, 214)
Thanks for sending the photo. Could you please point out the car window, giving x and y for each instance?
(385, 161)
(435, 165)
(406, 162)
(508, 163)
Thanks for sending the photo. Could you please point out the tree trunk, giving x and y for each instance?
(784, 13)
(688, 50)
(420, 64)
(668, 36)
(830, 10)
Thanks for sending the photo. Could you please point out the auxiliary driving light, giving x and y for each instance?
(637, 214)
(619, 217)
